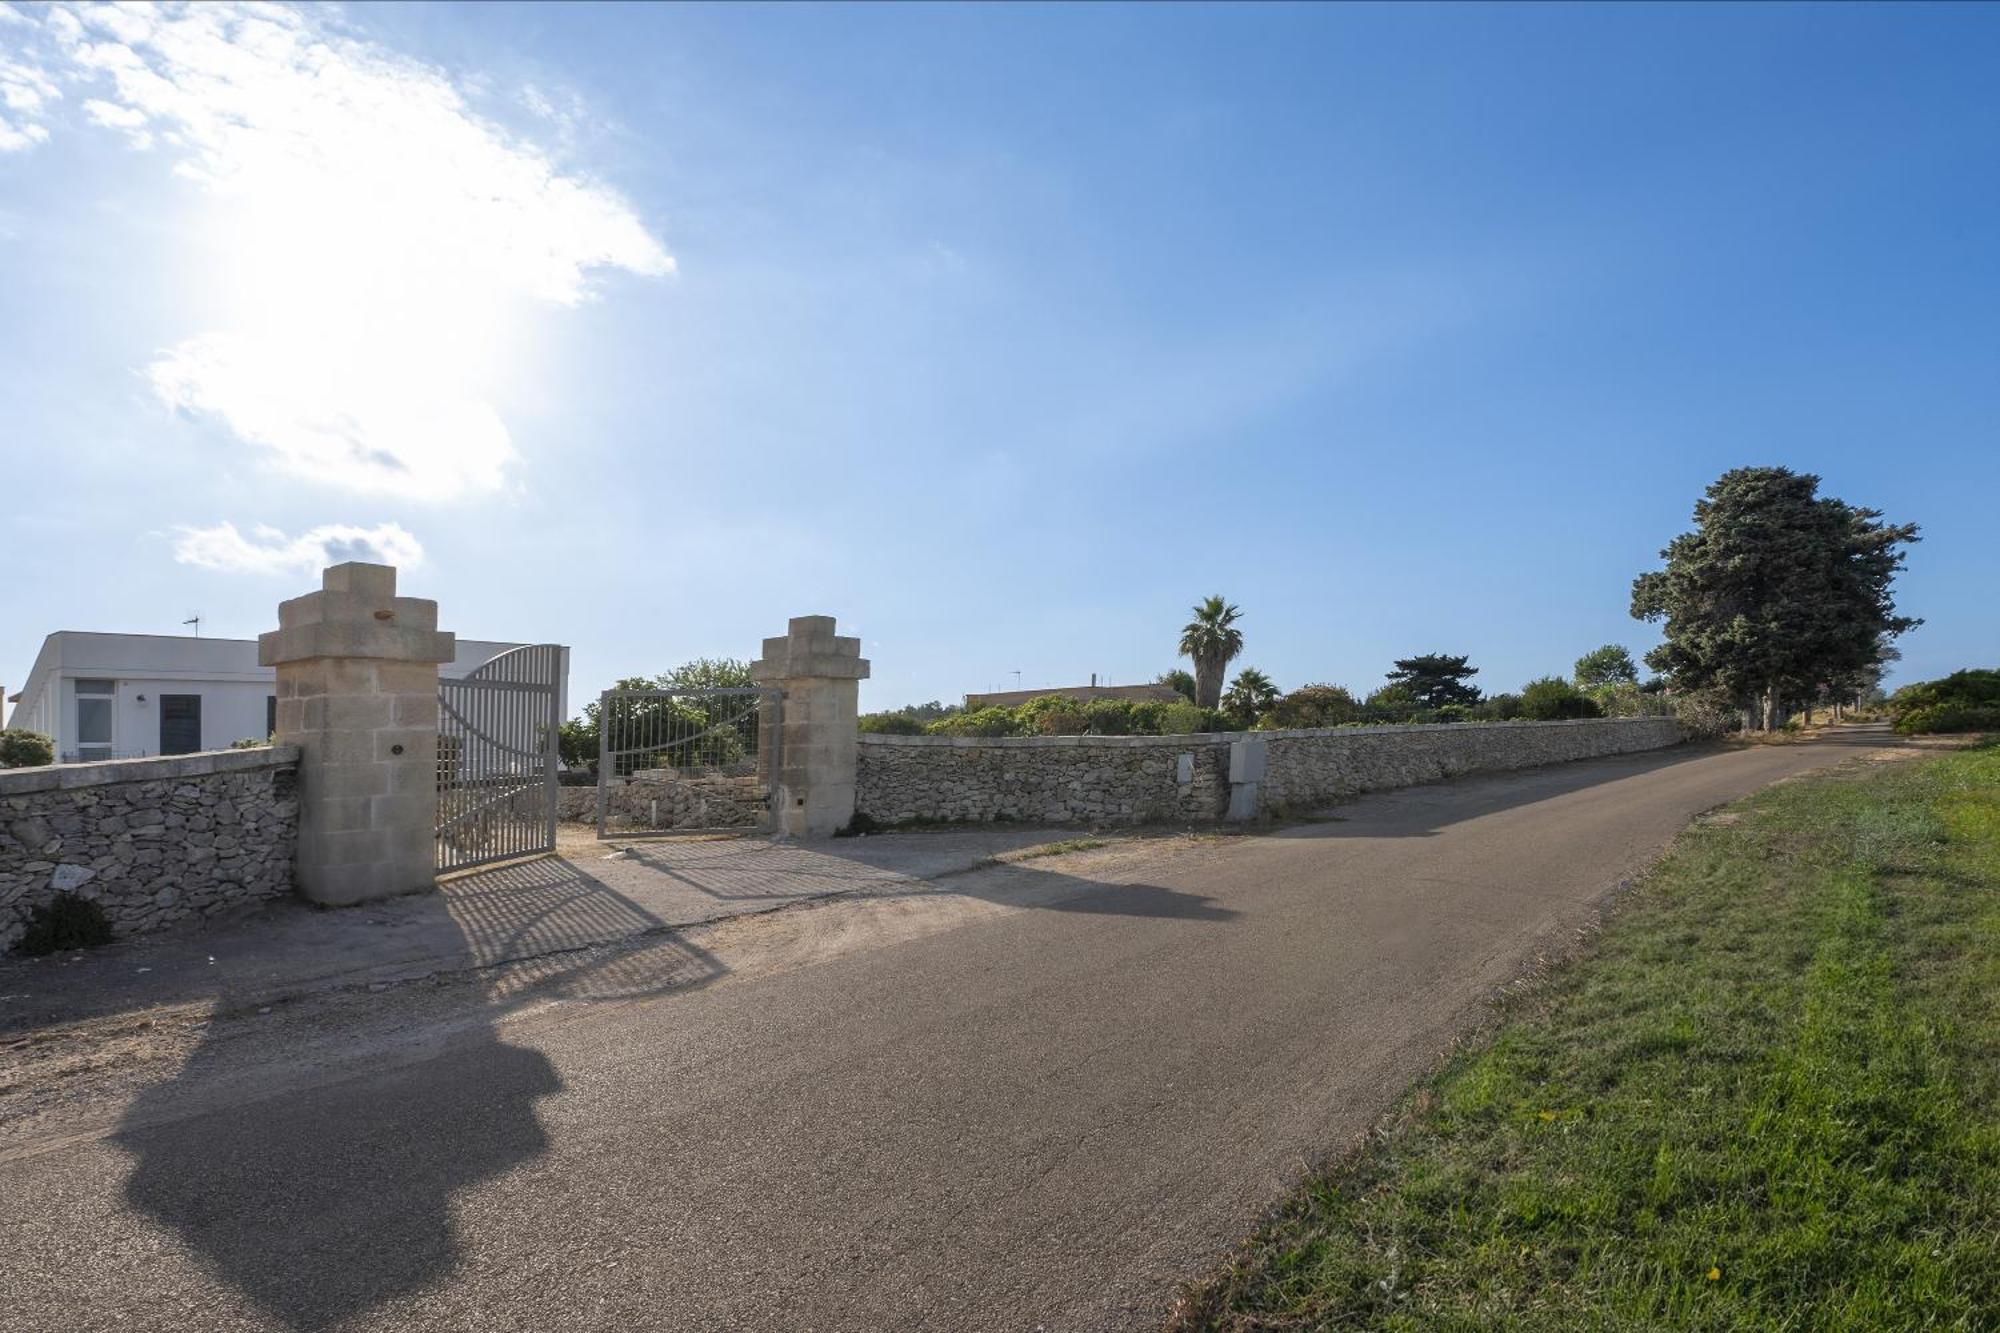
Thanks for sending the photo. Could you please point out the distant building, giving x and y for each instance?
(1083, 694)
(126, 696)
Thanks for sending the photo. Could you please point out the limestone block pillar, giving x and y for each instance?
(821, 674)
(358, 694)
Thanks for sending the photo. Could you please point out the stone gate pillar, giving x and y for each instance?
(821, 674)
(358, 694)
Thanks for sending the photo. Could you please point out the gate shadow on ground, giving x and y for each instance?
(1425, 810)
(781, 873)
(320, 1204)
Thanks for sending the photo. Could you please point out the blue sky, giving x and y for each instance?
(1001, 333)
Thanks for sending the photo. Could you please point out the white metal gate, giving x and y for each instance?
(686, 761)
(496, 779)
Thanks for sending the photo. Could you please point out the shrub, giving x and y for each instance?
(1705, 712)
(1312, 706)
(65, 922)
(1117, 717)
(1144, 718)
(1626, 699)
(1497, 708)
(1553, 699)
(890, 724)
(251, 743)
(1948, 717)
(21, 748)
(1050, 715)
(1962, 701)
(1185, 719)
(1391, 703)
(985, 722)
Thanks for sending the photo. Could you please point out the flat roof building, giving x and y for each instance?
(126, 696)
(1164, 694)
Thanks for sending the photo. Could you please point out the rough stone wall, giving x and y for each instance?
(702, 800)
(1308, 769)
(152, 841)
(1133, 779)
(1042, 779)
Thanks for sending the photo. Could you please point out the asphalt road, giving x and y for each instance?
(1032, 1097)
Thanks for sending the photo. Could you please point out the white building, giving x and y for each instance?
(125, 696)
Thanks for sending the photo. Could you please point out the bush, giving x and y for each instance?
(1626, 699)
(251, 743)
(21, 748)
(1051, 715)
(1118, 717)
(890, 724)
(65, 922)
(1962, 701)
(1186, 719)
(1553, 699)
(1312, 706)
(1948, 717)
(1705, 712)
(1144, 718)
(1391, 703)
(1497, 708)
(985, 722)
(909, 720)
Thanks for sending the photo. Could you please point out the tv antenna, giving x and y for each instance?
(194, 620)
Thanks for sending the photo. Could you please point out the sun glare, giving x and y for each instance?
(380, 249)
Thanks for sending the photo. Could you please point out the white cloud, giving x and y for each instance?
(25, 94)
(384, 243)
(268, 550)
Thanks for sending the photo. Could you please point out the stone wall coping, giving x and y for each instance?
(1200, 738)
(54, 777)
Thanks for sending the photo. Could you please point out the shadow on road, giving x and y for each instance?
(322, 1203)
(781, 873)
(1424, 811)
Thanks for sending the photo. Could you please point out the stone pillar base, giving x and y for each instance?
(821, 674)
(357, 693)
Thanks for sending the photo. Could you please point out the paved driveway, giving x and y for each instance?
(1029, 1096)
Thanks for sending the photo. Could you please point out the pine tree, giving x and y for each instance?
(1777, 591)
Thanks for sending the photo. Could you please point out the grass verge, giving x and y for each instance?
(1766, 1097)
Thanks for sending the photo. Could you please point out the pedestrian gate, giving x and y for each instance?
(686, 761)
(496, 775)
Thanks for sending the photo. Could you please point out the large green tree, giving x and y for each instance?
(1212, 641)
(642, 719)
(1436, 679)
(1778, 592)
(1609, 665)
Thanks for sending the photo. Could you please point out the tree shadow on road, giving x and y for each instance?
(1426, 810)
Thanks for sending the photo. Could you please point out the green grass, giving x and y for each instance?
(1766, 1097)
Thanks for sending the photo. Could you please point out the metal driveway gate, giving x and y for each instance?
(496, 778)
(686, 761)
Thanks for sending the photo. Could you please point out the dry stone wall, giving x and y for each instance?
(661, 799)
(1308, 769)
(151, 841)
(1171, 779)
(1043, 779)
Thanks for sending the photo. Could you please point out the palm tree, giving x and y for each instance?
(1249, 696)
(1212, 640)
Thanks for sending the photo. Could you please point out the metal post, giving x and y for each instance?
(555, 740)
(603, 758)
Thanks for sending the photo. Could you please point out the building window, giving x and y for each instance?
(180, 723)
(94, 704)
